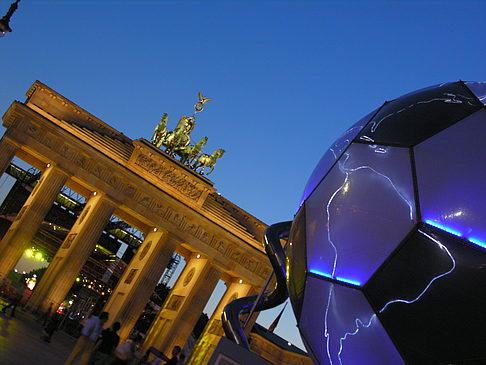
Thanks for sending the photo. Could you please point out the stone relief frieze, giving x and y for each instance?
(170, 176)
(32, 130)
(228, 250)
(81, 160)
(145, 250)
(174, 302)
(40, 135)
(67, 152)
(130, 276)
(216, 328)
(69, 240)
(189, 276)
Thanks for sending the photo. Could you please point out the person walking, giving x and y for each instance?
(106, 345)
(85, 344)
(46, 316)
(126, 353)
(51, 327)
(15, 301)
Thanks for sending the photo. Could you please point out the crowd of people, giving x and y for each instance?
(101, 346)
(97, 345)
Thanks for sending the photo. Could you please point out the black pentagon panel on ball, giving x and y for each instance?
(430, 298)
(414, 117)
(296, 262)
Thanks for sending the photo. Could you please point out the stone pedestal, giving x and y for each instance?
(19, 236)
(183, 307)
(7, 153)
(202, 351)
(137, 283)
(72, 255)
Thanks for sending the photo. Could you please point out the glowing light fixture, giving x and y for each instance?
(31, 283)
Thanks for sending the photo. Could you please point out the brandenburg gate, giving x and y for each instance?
(176, 208)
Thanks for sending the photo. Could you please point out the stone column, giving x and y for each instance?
(202, 351)
(23, 229)
(137, 283)
(7, 153)
(184, 306)
(73, 254)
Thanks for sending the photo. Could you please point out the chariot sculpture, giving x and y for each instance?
(176, 143)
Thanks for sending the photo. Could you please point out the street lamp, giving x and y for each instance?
(4, 27)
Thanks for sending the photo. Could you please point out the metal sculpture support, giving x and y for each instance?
(266, 300)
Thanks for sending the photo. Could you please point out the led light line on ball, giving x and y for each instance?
(472, 240)
(337, 278)
(443, 228)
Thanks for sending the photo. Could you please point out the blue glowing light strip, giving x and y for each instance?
(477, 242)
(352, 282)
(444, 228)
(472, 240)
(320, 273)
(337, 278)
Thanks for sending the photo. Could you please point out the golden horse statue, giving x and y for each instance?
(160, 131)
(207, 161)
(189, 153)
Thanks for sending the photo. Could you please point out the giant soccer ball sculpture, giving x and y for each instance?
(387, 252)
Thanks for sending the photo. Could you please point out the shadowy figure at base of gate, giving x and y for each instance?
(83, 349)
(106, 345)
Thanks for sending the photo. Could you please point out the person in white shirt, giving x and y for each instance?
(84, 347)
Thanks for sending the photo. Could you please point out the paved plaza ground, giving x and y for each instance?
(20, 342)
